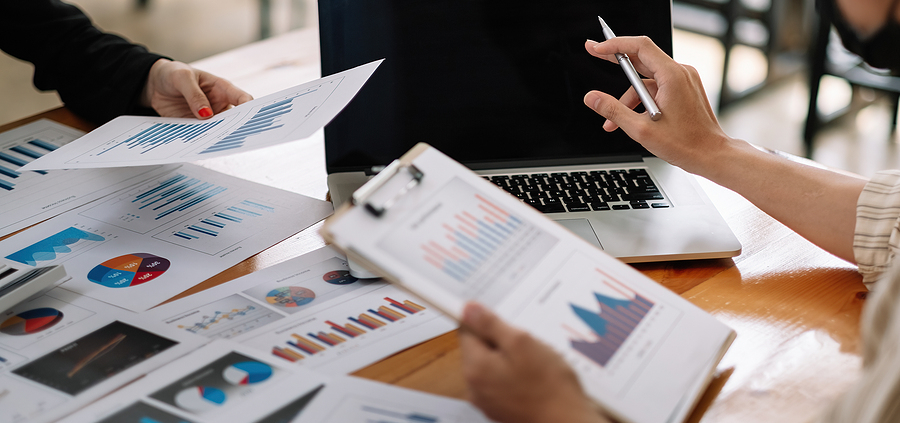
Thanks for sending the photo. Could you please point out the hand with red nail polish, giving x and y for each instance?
(175, 89)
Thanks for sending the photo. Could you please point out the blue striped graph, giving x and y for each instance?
(212, 225)
(265, 119)
(472, 240)
(177, 194)
(160, 134)
(10, 163)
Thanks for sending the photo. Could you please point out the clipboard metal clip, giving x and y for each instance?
(392, 178)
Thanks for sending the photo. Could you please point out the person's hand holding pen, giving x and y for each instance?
(689, 130)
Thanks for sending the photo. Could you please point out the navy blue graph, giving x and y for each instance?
(178, 193)
(212, 225)
(10, 163)
(265, 119)
(160, 134)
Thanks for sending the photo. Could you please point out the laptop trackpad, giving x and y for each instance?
(582, 228)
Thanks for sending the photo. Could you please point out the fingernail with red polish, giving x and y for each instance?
(205, 112)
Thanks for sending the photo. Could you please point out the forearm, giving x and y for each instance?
(818, 204)
(97, 75)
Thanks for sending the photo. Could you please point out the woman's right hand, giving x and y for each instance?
(688, 131)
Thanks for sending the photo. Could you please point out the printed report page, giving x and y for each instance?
(456, 237)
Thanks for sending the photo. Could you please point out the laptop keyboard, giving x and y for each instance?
(598, 190)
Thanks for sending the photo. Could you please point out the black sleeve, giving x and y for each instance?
(98, 76)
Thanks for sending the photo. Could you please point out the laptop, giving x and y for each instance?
(498, 86)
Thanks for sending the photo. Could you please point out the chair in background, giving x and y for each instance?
(770, 26)
(829, 58)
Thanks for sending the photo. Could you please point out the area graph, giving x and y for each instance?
(611, 323)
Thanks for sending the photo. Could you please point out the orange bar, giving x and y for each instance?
(332, 337)
(371, 320)
(308, 343)
(390, 312)
(354, 328)
(291, 353)
(413, 305)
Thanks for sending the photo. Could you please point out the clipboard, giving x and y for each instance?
(447, 235)
(396, 179)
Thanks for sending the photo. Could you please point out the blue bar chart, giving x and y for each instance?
(472, 245)
(160, 134)
(164, 200)
(470, 240)
(17, 156)
(223, 225)
(265, 119)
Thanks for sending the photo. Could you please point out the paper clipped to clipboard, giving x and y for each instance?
(441, 231)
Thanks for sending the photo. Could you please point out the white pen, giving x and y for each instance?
(633, 76)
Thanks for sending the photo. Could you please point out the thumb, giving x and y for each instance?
(616, 113)
(194, 95)
(484, 324)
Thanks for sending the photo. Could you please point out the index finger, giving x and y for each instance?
(647, 57)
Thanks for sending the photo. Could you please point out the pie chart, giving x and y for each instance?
(200, 398)
(246, 373)
(31, 321)
(290, 296)
(339, 277)
(128, 270)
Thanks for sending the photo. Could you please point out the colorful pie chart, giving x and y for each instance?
(339, 277)
(31, 321)
(246, 373)
(200, 398)
(290, 296)
(128, 270)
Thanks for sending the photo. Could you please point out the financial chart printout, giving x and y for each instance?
(309, 311)
(288, 115)
(146, 243)
(604, 327)
(473, 247)
(28, 197)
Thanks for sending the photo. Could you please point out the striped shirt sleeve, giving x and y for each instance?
(877, 236)
(875, 397)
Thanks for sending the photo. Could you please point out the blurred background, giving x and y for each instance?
(775, 75)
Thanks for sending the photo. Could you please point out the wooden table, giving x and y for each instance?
(795, 307)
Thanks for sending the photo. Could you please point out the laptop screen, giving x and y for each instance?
(491, 83)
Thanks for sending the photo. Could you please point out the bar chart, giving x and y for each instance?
(301, 346)
(160, 134)
(471, 245)
(472, 240)
(288, 115)
(17, 156)
(224, 224)
(616, 319)
(28, 197)
(265, 119)
(218, 221)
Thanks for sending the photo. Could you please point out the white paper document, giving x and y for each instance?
(28, 197)
(288, 115)
(641, 351)
(309, 311)
(224, 381)
(147, 243)
(60, 351)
